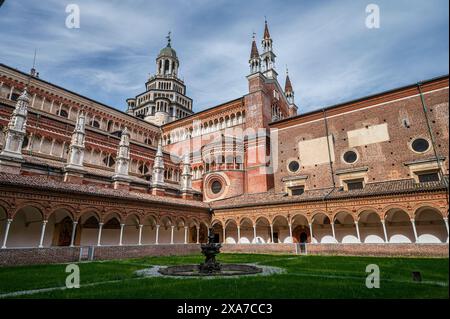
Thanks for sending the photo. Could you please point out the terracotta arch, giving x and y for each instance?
(35, 205)
(417, 207)
(68, 208)
(388, 208)
(110, 215)
(216, 221)
(365, 209)
(280, 216)
(318, 212)
(298, 215)
(6, 207)
(340, 211)
(259, 218)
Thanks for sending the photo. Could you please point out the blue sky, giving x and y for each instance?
(331, 55)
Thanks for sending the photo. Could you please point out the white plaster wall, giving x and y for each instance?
(372, 234)
(323, 234)
(89, 237)
(24, 236)
(346, 234)
(315, 151)
(431, 233)
(372, 134)
(148, 235)
(130, 235)
(400, 234)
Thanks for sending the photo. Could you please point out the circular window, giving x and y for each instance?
(294, 166)
(420, 145)
(350, 157)
(216, 187)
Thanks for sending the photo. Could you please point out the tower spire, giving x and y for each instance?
(268, 56)
(255, 60)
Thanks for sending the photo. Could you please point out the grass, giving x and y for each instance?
(305, 277)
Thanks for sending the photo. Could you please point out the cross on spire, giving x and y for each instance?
(169, 40)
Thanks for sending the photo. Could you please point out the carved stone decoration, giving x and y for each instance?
(16, 130)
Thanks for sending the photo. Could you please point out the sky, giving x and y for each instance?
(331, 55)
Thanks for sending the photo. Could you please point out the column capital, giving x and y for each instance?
(75, 222)
(9, 220)
(140, 226)
(101, 224)
(157, 225)
(45, 221)
(412, 220)
(356, 222)
(446, 218)
(122, 225)
(382, 221)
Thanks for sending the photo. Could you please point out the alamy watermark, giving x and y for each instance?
(73, 19)
(73, 279)
(373, 279)
(373, 16)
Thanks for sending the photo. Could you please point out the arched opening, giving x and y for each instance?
(281, 230)
(370, 228)
(87, 230)
(300, 230)
(165, 230)
(321, 229)
(203, 236)
(25, 229)
(247, 234)
(263, 231)
(399, 227)
(60, 223)
(344, 225)
(218, 232)
(430, 226)
(149, 230)
(179, 231)
(111, 230)
(231, 231)
(131, 230)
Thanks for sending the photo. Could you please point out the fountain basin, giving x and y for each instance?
(226, 270)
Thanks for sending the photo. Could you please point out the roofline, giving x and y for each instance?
(367, 97)
(321, 199)
(79, 95)
(201, 112)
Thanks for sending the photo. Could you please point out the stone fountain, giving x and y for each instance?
(210, 267)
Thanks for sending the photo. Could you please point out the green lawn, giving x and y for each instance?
(305, 277)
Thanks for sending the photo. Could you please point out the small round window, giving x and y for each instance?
(293, 166)
(216, 187)
(420, 145)
(350, 157)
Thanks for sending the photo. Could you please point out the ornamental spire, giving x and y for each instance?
(266, 30)
(254, 52)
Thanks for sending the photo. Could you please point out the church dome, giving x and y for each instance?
(167, 52)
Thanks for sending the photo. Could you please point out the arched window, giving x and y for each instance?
(109, 160)
(62, 113)
(94, 123)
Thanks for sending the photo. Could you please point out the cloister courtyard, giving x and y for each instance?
(301, 277)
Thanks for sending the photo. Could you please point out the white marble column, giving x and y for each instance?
(446, 226)
(171, 234)
(157, 234)
(311, 233)
(121, 234)
(224, 235)
(271, 233)
(74, 230)
(290, 233)
(5, 238)
(41, 241)
(254, 234)
(357, 231)
(413, 223)
(198, 235)
(185, 235)
(239, 234)
(386, 238)
(99, 239)
(334, 232)
(140, 235)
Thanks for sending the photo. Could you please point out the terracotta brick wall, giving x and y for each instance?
(385, 160)
(53, 255)
(390, 250)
